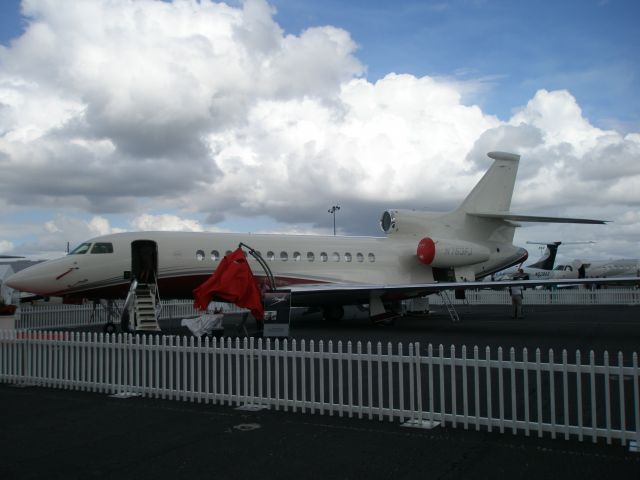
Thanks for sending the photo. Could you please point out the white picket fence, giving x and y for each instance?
(534, 396)
(56, 315)
(569, 296)
(67, 316)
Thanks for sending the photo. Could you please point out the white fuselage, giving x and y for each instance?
(185, 260)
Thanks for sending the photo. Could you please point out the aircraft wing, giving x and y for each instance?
(533, 218)
(351, 293)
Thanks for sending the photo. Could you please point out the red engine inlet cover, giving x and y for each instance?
(426, 251)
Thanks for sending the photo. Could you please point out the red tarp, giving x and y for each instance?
(234, 282)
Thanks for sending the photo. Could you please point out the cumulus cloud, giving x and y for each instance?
(214, 111)
(165, 223)
(118, 108)
(52, 239)
(5, 246)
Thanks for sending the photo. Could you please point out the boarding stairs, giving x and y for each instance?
(446, 300)
(144, 307)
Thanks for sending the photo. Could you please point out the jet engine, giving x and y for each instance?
(405, 221)
(450, 253)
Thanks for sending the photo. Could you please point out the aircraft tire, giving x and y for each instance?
(124, 321)
(333, 313)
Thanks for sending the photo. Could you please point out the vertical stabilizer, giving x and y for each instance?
(548, 259)
(492, 194)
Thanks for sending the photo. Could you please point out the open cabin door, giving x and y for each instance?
(144, 261)
(140, 312)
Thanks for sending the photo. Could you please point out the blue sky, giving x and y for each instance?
(558, 82)
(589, 47)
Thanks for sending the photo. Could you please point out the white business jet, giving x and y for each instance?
(542, 269)
(422, 253)
(621, 267)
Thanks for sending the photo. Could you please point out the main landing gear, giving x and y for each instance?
(333, 313)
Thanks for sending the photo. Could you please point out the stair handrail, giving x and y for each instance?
(158, 305)
(131, 295)
(255, 254)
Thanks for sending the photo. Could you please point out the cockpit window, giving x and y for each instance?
(81, 249)
(102, 248)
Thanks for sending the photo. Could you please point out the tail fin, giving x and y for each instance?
(548, 259)
(494, 190)
(491, 197)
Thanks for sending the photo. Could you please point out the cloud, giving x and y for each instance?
(56, 234)
(212, 111)
(165, 223)
(120, 106)
(5, 246)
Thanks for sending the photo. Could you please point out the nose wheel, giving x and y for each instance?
(333, 313)
(110, 327)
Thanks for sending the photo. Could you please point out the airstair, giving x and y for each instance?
(144, 307)
(446, 300)
(141, 308)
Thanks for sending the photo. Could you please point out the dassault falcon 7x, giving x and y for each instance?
(422, 253)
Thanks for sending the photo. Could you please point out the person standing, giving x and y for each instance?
(516, 301)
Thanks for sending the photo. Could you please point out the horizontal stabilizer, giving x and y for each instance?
(533, 218)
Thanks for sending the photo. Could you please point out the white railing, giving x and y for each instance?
(52, 316)
(572, 296)
(535, 396)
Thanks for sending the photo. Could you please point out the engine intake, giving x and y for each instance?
(405, 221)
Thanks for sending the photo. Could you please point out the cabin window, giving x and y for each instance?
(271, 256)
(310, 256)
(296, 256)
(200, 255)
(359, 257)
(215, 255)
(323, 257)
(101, 247)
(81, 249)
(335, 257)
(284, 256)
(347, 257)
(372, 257)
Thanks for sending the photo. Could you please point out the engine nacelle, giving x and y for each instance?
(406, 221)
(450, 253)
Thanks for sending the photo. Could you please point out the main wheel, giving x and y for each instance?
(333, 313)
(124, 321)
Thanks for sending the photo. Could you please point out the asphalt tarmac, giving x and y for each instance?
(49, 433)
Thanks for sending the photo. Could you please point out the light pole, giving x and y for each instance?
(333, 210)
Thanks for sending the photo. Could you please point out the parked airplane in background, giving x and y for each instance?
(540, 270)
(622, 267)
(422, 253)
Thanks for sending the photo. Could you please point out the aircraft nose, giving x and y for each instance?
(19, 281)
(35, 279)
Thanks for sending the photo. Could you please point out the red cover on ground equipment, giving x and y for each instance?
(234, 282)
